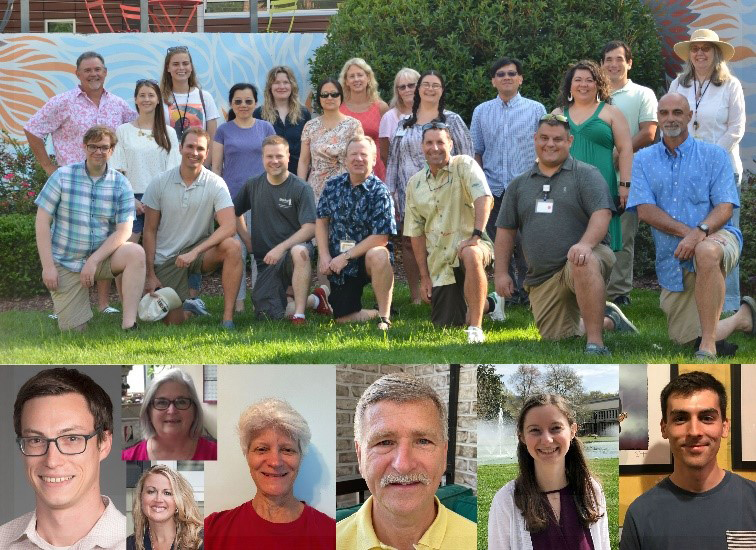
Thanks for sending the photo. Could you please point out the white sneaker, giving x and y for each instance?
(475, 335)
(498, 312)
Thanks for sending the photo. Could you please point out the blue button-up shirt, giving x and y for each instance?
(502, 134)
(355, 212)
(686, 186)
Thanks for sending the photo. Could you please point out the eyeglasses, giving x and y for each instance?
(69, 444)
(173, 49)
(181, 403)
(434, 126)
(705, 48)
(101, 148)
(502, 74)
(147, 81)
(324, 95)
(244, 101)
(410, 86)
(554, 116)
(431, 85)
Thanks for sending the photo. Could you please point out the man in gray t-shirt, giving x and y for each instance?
(562, 208)
(700, 506)
(283, 224)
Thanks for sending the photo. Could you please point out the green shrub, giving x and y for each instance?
(21, 177)
(462, 38)
(22, 273)
(748, 227)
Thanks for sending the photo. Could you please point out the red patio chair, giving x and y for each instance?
(131, 12)
(92, 5)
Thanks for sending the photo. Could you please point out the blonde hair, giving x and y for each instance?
(268, 109)
(372, 86)
(189, 523)
(396, 99)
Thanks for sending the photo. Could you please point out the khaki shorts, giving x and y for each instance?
(554, 304)
(71, 299)
(683, 324)
(177, 278)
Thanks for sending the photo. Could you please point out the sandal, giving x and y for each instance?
(384, 323)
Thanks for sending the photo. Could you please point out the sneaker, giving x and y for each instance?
(621, 323)
(475, 335)
(702, 355)
(228, 325)
(195, 306)
(324, 308)
(622, 300)
(53, 316)
(595, 349)
(109, 310)
(298, 321)
(498, 312)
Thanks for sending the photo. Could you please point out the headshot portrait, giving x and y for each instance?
(273, 485)
(170, 413)
(421, 494)
(547, 446)
(62, 484)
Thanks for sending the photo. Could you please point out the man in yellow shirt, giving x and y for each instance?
(401, 439)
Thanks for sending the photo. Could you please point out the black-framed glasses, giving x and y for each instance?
(244, 101)
(174, 49)
(147, 81)
(410, 86)
(333, 95)
(434, 126)
(68, 444)
(181, 403)
(502, 74)
(554, 116)
(431, 85)
(91, 147)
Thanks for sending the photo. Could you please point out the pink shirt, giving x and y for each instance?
(206, 450)
(69, 115)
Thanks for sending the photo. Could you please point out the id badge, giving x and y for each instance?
(401, 130)
(345, 245)
(545, 206)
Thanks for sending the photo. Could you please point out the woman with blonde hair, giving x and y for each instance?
(400, 106)
(166, 515)
(363, 102)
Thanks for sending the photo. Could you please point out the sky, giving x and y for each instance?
(604, 378)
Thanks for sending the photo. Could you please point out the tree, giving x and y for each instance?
(462, 38)
(565, 381)
(489, 392)
(526, 381)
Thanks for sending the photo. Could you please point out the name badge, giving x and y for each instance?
(545, 206)
(346, 245)
(400, 130)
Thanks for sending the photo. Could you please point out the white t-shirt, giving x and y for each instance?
(187, 110)
(139, 157)
(389, 122)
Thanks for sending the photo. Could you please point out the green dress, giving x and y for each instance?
(594, 144)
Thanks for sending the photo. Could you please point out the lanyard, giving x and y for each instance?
(698, 100)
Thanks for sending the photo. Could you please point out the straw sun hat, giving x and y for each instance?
(682, 49)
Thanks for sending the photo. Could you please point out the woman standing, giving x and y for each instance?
(405, 82)
(598, 128)
(362, 101)
(554, 504)
(237, 156)
(281, 108)
(406, 157)
(324, 139)
(716, 99)
(145, 147)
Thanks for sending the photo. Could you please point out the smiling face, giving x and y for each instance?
(674, 115)
(97, 158)
(547, 434)
(281, 87)
(329, 103)
(172, 422)
(694, 427)
(146, 99)
(91, 73)
(402, 456)
(552, 144)
(243, 103)
(180, 67)
(702, 57)
(158, 501)
(360, 160)
(405, 87)
(583, 85)
(193, 151)
(355, 79)
(437, 146)
(275, 160)
(63, 482)
(274, 459)
(507, 84)
(431, 89)
(616, 65)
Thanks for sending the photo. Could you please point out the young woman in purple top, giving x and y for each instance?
(554, 504)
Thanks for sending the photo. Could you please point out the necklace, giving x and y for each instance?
(142, 132)
(153, 543)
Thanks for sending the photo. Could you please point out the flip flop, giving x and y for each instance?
(702, 355)
(751, 303)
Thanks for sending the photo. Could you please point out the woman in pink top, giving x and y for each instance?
(361, 101)
(172, 422)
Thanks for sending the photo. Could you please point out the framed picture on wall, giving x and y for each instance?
(643, 450)
(743, 417)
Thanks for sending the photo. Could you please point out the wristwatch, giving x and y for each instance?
(477, 233)
(703, 227)
(624, 184)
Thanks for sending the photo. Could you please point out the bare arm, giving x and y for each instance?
(624, 144)
(43, 236)
(482, 211)
(211, 126)
(110, 245)
(321, 236)
(243, 232)
(37, 146)
(360, 249)
(304, 233)
(217, 155)
(503, 247)
(383, 145)
(226, 228)
(149, 238)
(303, 168)
(645, 136)
(420, 249)
(479, 159)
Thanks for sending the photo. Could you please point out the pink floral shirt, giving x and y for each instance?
(69, 115)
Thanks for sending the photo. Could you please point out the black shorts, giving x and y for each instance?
(448, 306)
(138, 226)
(346, 298)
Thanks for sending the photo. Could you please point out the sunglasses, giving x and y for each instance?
(244, 101)
(101, 148)
(410, 86)
(434, 126)
(502, 74)
(147, 81)
(705, 48)
(324, 95)
(554, 116)
(173, 49)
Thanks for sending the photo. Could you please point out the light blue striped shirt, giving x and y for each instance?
(502, 134)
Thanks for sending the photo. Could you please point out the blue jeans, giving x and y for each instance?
(732, 283)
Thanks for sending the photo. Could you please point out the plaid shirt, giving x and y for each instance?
(355, 213)
(85, 212)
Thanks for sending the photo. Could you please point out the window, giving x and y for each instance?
(60, 25)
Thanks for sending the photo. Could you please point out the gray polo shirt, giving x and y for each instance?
(186, 211)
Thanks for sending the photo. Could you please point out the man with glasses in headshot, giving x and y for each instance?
(447, 209)
(91, 209)
(501, 131)
(64, 427)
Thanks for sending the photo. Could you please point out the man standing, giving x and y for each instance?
(562, 207)
(68, 116)
(401, 439)
(700, 506)
(283, 225)
(180, 205)
(638, 104)
(683, 188)
(501, 131)
(355, 220)
(447, 209)
(64, 427)
(91, 210)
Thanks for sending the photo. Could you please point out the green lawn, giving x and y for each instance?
(492, 477)
(31, 337)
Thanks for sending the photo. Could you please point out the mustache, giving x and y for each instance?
(404, 479)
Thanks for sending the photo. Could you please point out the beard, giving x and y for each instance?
(672, 130)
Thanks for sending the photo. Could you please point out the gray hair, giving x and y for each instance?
(362, 138)
(399, 388)
(171, 375)
(276, 414)
(720, 73)
(89, 55)
(409, 74)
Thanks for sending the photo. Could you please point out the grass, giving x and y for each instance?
(492, 477)
(31, 337)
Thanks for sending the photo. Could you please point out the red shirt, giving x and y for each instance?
(206, 450)
(243, 528)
